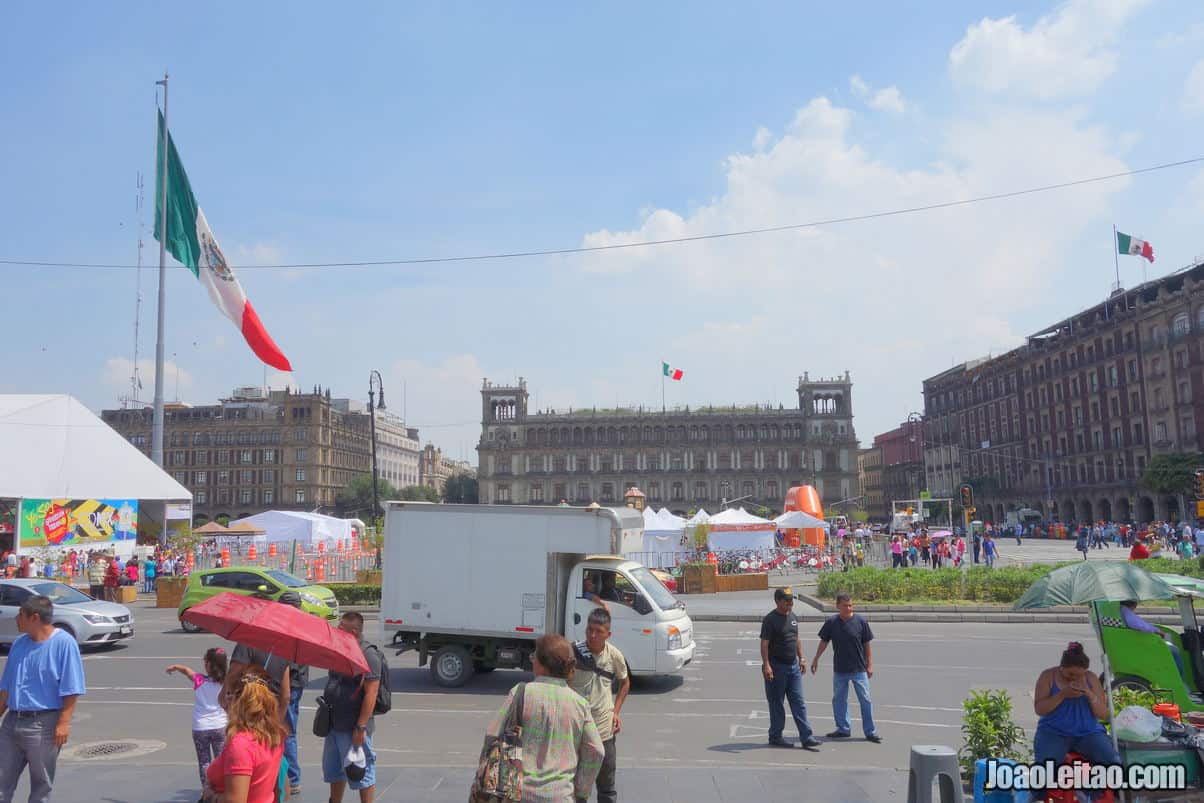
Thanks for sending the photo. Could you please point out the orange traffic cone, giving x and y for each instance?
(252, 553)
(271, 550)
(225, 556)
(321, 571)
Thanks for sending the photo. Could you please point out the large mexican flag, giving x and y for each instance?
(191, 242)
(1134, 247)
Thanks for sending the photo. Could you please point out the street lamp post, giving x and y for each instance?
(374, 377)
(914, 420)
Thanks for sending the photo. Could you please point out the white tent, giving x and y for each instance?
(739, 530)
(798, 520)
(305, 528)
(55, 448)
(701, 517)
(663, 537)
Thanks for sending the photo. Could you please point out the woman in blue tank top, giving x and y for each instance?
(1071, 702)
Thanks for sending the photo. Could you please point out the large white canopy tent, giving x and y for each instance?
(663, 536)
(54, 447)
(307, 529)
(737, 529)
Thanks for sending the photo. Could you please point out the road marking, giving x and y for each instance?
(812, 702)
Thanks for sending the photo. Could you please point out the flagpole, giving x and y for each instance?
(157, 426)
(663, 410)
(1116, 255)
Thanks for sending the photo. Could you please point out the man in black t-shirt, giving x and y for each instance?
(783, 665)
(352, 701)
(850, 637)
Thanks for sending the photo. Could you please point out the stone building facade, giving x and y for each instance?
(254, 451)
(682, 459)
(1067, 423)
(436, 468)
(902, 463)
(869, 478)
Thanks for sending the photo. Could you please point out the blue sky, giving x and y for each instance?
(390, 131)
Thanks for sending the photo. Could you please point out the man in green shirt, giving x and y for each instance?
(599, 666)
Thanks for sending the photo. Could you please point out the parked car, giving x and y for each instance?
(92, 622)
(667, 579)
(251, 581)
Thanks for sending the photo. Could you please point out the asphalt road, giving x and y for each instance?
(699, 737)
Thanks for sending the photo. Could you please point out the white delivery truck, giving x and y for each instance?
(471, 587)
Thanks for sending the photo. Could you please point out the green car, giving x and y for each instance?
(253, 580)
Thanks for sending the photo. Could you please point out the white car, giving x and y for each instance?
(91, 621)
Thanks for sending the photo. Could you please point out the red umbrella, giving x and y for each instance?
(281, 630)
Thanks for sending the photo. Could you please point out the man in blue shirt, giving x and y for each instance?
(41, 682)
(1128, 613)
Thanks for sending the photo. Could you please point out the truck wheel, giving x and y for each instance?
(451, 666)
(480, 667)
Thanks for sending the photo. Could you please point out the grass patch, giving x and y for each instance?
(975, 585)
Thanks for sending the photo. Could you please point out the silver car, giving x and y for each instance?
(91, 621)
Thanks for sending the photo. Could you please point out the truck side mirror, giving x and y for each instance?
(641, 605)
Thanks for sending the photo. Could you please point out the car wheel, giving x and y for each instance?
(451, 667)
(189, 627)
(1131, 682)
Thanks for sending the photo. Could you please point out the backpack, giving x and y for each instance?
(384, 695)
(586, 661)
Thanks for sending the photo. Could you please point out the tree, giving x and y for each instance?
(357, 496)
(419, 493)
(1172, 474)
(461, 488)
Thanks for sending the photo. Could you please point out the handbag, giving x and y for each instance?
(499, 775)
(323, 718)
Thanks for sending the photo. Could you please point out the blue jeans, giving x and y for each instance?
(291, 715)
(1049, 746)
(334, 751)
(840, 701)
(28, 741)
(148, 584)
(787, 683)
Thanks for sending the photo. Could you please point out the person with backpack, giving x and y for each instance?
(599, 666)
(354, 702)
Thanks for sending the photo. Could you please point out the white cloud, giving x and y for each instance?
(117, 371)
(889, 99)
(1193, 90)
(824, 298)
(762, 138)
(1063, 54)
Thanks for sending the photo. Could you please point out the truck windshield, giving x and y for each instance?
(654, 588)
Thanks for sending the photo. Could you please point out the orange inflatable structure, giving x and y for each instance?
(806, 499)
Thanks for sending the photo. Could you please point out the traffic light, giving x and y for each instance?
(1200, 483)
(968, 496)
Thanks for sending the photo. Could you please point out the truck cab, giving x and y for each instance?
(648, 624)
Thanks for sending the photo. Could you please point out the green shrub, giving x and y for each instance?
(355, 593)
(989, 730)
(978, 583)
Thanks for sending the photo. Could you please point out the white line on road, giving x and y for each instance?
(810, 702)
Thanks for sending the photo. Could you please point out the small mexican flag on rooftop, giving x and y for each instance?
(673, 373)
(1134, 247)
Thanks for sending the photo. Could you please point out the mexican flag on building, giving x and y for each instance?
(191, 242)
(673, 373)
(1134, 247)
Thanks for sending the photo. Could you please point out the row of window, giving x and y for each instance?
(676, 490)
(244, 496)
(650, 434)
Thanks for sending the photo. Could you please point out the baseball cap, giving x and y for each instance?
(357, 764)
(783, 593)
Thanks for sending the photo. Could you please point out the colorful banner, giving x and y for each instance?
(77, 522)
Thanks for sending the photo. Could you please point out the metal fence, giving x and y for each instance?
(781, 560)
(313, 565)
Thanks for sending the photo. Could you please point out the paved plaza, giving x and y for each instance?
(697, 738)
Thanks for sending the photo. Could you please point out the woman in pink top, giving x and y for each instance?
(248, 768)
